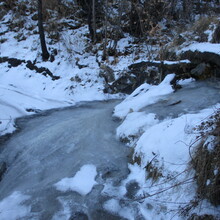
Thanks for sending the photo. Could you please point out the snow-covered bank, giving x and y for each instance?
(23, 92)
(162, 152)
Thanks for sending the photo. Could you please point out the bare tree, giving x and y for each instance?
(45, 54)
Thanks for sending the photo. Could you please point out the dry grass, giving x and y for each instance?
(206, 159)
(202, 24)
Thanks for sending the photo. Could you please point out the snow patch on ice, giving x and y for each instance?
(184, 82)
(82, 182)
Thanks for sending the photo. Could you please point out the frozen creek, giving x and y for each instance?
(57, 144)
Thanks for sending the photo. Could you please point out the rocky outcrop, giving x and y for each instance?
(207, 63)
(146, 72)
(202, 65)
(14, 62)
(44, 71)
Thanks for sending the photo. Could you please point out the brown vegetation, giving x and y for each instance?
(206, 159)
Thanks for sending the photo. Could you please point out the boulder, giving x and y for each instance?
(201, 71)
(197, 57)
(132, 189)
(79, 216)
(107, 73)
(207, 63)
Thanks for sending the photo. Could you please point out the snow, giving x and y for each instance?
(203, 47)
(166, 145)
(172, 147)
(184, 82)
(12, 207)
(135, 123)
(143, 96)
(82, 182)
(114, 207)
(22, 89)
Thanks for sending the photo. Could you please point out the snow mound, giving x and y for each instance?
(82, 182)
(135, 123)
(170, 140)
(144, 95)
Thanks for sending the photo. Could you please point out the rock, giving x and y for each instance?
(33, 110)
(201, 217)
(216, 34)
(125, 84)
(107, 73)
(109, 172)
(42, 70)
(34, 17)
(197, 57)
(79, 216)
(203, 70)
(13, 62)
(147, 72)
(200, 59)
(101, 214)
(3, 168)
(132, 189)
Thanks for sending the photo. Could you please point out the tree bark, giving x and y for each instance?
(94, 21)
(104, 56)
(45, 54)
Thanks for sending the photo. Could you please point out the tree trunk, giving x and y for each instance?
(104, 55)
(94, 21)
(45, 54)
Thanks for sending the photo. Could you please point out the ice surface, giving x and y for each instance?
(82, 182)
(68, 147)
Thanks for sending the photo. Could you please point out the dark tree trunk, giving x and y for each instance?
(92, 19)
(45, 54)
